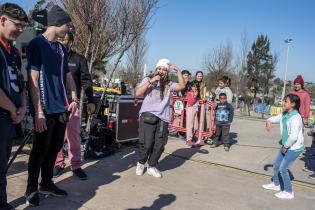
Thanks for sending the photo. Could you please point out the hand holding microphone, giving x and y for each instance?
(155, 79)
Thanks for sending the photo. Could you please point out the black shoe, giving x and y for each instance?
(215, 144)
(80, 174)
(32, 198)
(58, 171)
(52, 189)
(7, 207)
(312, 176)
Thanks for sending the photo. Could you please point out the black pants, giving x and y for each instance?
(46, 146)
(6, 136)
(222, 134)
(152, 141)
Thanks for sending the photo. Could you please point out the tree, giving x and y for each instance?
(240, 66)
(219, 62)
(260, 66)
(135, 61)
(107, 29)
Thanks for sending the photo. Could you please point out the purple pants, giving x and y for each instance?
(73, 139)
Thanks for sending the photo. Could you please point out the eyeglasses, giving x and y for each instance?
(18, 25)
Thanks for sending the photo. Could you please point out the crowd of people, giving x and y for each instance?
(58, 77)
(221, 97)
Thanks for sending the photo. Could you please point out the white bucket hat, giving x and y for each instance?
(163, 63)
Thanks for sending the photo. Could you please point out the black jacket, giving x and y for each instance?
(80, 72)
(11, 81)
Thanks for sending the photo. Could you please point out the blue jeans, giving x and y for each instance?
(282, 164)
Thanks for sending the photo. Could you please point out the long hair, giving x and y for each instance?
(163, 83)
(196, 84)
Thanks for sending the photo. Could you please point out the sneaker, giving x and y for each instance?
(140, 169)
(227, 148)
(32, 199)
(209, 141)
(306, 169)
(58, 170)
(154, 172)
(52, 189)
(284, 195)
(7, 207)
(189, 142)
(312, 176)
(80, 174)
(215, 144)
(271, 186)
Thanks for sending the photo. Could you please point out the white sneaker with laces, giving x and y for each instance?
(271, 186)
(154, 172)
(140, 169)
(284, 195)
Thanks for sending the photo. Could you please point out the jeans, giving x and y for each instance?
(152, 140)
(46, 146)
(281, 168)
(7, 133)
(222, 134)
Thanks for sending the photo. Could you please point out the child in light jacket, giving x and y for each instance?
(291, 126)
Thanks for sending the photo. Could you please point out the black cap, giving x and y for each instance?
(40, 17)
(57, 16)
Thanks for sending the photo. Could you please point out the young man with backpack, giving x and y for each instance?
(48, 74)
(13, 20)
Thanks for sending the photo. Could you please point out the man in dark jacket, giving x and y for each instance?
(13, 102)
(82, 78)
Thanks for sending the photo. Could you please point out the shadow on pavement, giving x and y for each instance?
(169, 162)
(17, 167)
(101, 173)
(233, 138)
(163, 201)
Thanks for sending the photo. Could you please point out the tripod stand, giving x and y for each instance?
(26, 139)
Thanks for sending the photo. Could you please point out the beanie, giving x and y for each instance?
(299, 79)
(57, 16)
(163, 63)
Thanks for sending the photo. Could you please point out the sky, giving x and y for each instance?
(185, 31)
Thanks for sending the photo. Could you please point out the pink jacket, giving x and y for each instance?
(305, 102)
(191, 99)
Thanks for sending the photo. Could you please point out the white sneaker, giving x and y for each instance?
(284, 195)
(271, 186)
(154, 172)
(140, 169)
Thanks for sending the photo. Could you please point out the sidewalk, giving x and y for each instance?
(186, 184)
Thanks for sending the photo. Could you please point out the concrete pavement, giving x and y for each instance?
(191, 178)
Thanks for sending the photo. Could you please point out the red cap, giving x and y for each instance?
(299, 79)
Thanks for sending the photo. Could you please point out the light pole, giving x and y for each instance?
(288, 42)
